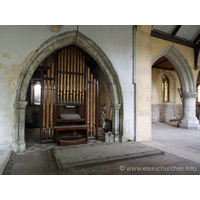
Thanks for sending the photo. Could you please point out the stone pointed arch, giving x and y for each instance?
(188, 84)
(181, 65)
(49, 46)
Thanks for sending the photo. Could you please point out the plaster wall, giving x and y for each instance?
(19, 43)
(174, 83)
(173, 110)
(116, 42)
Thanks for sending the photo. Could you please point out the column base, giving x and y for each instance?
(189, 126)
(106, 137)
(21, 147)
(14, 147)
(110, 137)
(116, 137)
(119, 138)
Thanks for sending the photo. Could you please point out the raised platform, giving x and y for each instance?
(102, 153)
(4, 157)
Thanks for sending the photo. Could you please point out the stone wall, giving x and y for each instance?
(166, 112)
(156, 113)
(178, 111)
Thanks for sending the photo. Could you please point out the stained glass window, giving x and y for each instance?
(37, 93)
(165, 89)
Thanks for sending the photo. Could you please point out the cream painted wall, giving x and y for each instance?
(156, 94)
(158, 44)
(18, 43)
(143, 83)
(156, 87)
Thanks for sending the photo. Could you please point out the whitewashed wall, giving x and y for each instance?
(17, 44)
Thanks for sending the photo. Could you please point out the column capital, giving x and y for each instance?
(20, 104)
(190, 95)
(116, 106)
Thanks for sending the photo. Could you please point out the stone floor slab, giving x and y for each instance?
(177, 152)
(87, 155)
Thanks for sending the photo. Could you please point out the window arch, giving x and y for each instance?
(37, 93)
(165, 88)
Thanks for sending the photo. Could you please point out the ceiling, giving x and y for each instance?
(163, 63)
(184, 32)
(187, 35)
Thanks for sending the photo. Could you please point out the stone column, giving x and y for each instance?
(115, 122)
(189, 120)
(20, 107)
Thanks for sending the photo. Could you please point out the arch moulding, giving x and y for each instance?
(181, 65)
(49, 46)
(188, 85)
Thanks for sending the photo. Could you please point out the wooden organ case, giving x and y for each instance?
(69, 100)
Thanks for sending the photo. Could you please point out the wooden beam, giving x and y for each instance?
(196, 40)
(196, 55)
(176, 30)
(172, 39)
(196, 50)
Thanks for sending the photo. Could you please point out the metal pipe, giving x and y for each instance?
(47, 113)
(78, 83)
(44, 105)
(74, 93)
(61, 79)
(65, 66)
(51, 102)
(68, 64)
(58, 91)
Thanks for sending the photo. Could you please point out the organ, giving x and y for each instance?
(69, 99)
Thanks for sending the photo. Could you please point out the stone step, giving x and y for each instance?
(91, 155)
(4, 157)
